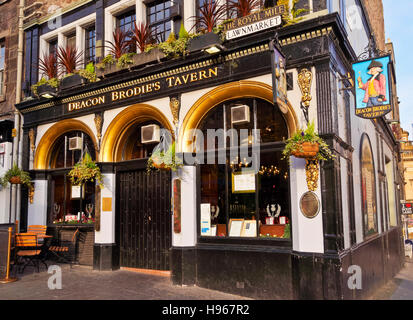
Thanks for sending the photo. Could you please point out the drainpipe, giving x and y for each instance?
(16, 194)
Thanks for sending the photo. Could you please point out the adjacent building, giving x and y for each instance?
(8, 84)
(207, 223)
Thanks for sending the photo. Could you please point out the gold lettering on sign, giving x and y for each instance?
(86, 103)
(175, 81)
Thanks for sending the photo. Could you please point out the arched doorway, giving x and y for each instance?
(143, 201)
(60, 148)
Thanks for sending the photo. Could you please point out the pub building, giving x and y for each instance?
(262, 235)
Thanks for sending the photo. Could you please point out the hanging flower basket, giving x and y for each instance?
(16, 176)
(84, 171)
(306, 150)
(309, 146)
(15, 180)
(161, 160)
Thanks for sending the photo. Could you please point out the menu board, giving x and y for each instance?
(243, 182)
(205, 219)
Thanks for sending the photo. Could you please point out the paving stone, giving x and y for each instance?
(84, 283)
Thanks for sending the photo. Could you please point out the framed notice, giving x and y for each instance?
(243, 182)
(75, 192)
(214, 230)
(249, 228)
(235, 227)
(205, 219)
(372, 87)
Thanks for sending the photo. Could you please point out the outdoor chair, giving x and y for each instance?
(37, 229)
(66, 249)
(27, 251)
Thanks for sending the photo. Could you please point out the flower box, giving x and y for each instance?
(72, 81)
(147, 57)
(46, 88)
(204, 41)
(307, 150)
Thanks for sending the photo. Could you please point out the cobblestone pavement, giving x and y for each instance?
(83, 283)
(400, 288)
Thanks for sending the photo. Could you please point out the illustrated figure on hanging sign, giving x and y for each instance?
(375, 87)
(372, 89)
(279, 79)
(282, 79)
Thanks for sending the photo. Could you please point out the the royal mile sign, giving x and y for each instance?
(258, 21)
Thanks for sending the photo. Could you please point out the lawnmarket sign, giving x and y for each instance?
(261, 20)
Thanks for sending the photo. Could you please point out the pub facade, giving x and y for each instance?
(205, 223)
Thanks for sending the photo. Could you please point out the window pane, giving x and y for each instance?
(368, 189)
(319, 5)
(274, 204)
(2, 55)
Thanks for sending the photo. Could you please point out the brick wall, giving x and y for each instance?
(376, 16)
(9, 33)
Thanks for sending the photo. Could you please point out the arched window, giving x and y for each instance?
(68, 202)
(134, 146)
(368, 188)
(236, 201)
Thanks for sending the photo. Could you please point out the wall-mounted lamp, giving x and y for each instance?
(209, 42)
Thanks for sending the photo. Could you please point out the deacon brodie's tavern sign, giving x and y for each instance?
(255, 22)
(146, 88)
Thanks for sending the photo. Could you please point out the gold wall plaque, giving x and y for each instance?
(106, 204)
(310, 205)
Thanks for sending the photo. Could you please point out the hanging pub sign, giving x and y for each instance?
(372, 87)
(279, 77)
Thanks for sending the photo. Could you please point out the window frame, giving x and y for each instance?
(87, 48)
(3, 70)
(153, 26)
(366, 139)
(269, 147)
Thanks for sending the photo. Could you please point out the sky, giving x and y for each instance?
(398, 21)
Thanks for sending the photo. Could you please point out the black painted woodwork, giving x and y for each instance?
(144, 218)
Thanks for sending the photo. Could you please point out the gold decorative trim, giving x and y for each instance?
(174, 105)
(305, 78)
(31, 139)
(114, 137)
(225, 92)
(43, 152)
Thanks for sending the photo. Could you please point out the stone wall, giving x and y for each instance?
(376, 16)
(9, 33)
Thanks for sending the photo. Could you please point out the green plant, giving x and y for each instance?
(85, 170)
(15, 171)
(125, 59)
(291, 15)
(164, 160)
(287, 231)
(106, 60)
(307, 135)
(54, 82)
(89, 72)
(174, 48)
